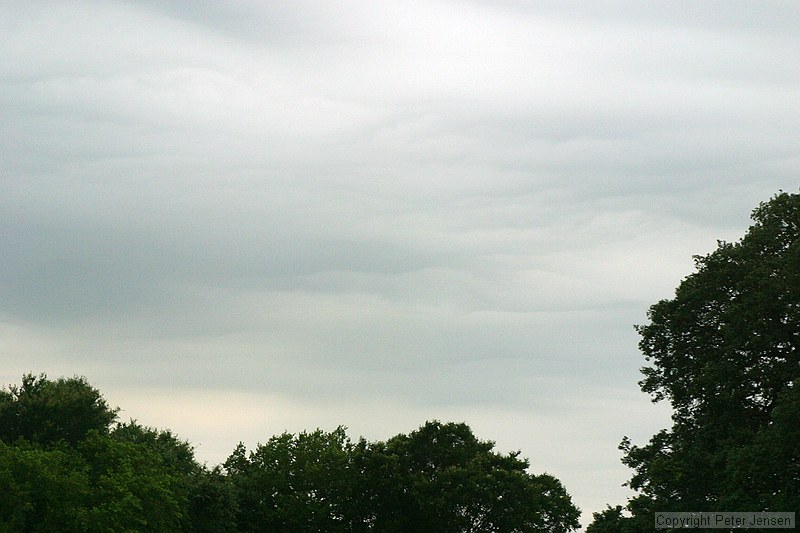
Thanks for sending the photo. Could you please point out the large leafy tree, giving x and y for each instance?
(207, 500)
(44, 411)
(294, 483)
(64, 468)
(438, 478)
(442, 478)
(42, 490)
(132, 489)
(725, 353)
(101, 484)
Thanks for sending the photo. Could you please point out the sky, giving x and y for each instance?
(242, 218)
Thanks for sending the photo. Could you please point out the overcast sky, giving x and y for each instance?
(237, 218)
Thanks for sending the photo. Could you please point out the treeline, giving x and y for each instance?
(66, 465)
(725, 353)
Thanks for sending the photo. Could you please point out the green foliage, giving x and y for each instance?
(64, 468)
(439, 478)
(42, 490)
(725, 352)
(101, 485)
(612, 520)
(46, 411)
(132, 488)
(206, 496)
(177, 455)
(294, 483)
(727, 344)
(212, 502)
(442, 478)
(766, 471)
(61, 469)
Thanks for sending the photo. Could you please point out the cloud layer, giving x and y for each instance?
(241, 218)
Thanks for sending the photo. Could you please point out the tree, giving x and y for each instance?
(766, 472)
(46, 411)
(442, 478)
(725, 352)
(212, 502)
(64, 468)
(102, 484)
(61, 469)
(132, 488)
(176, 454)
(42, 490)
(294, 483)
(611, 520)
(438, 478)
(208, 494)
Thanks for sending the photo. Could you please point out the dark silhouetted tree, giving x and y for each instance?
(442, 478)
(725, 352)
(45, 411)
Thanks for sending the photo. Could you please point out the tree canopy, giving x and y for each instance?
(438, 478)
(725, 353)
(46, 411)
(66, 465)
(443, 478)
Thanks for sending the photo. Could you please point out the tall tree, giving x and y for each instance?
(725, 353)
